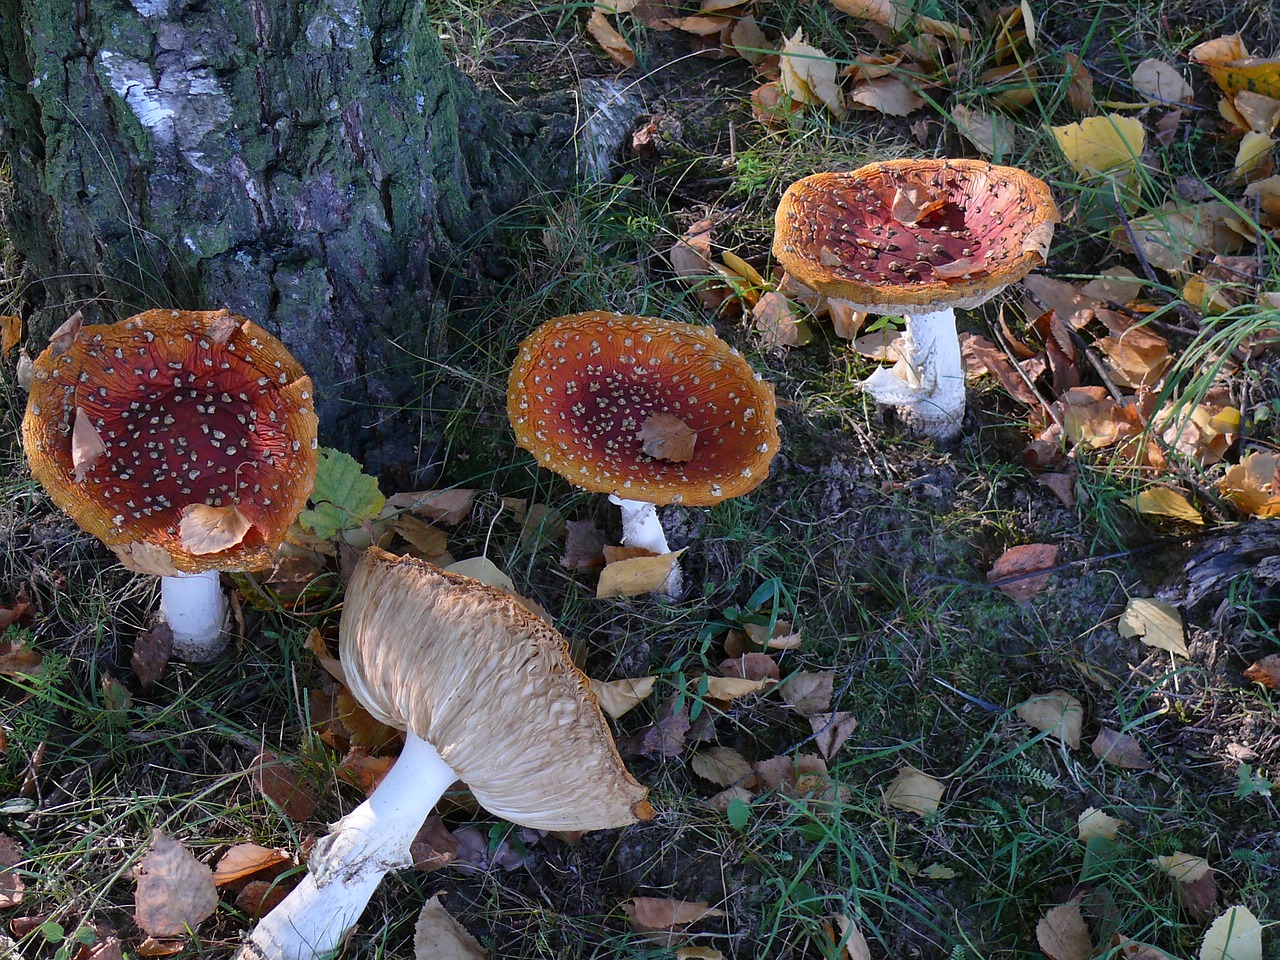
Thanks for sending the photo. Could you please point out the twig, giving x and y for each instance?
(1095, 360)
(1013, 361)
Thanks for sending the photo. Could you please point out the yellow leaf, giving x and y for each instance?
(1056, 712)
(743, 269)
(1228, 62)
(1253, 484)
(1236, 935)
(437, 936)
(1165, 502)
(1099, 145)
(809, 75)
(885, 12)
(1254, 149)
(636, 575)
(1182, 867)
(205, 529)
(914, 791)
(484, 570)
(616, 697)
(10, 334)
(610, 40)
(731, 688)
(1156, 623)
(1094, 823)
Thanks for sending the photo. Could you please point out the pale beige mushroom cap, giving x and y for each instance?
(491, 687)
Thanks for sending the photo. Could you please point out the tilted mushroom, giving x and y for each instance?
(918, 238)
(185, 441)
(486, 692)
(650, 411)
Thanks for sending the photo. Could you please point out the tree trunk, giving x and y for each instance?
(315, 165)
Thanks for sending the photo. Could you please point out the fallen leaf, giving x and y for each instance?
(666, 437)
(437, 936)
(691, 255)
(831, 730)
(731, 688)
(808, 75)
(854, 943)
(1165, 502)
(280, 784)
(18, 659)
(1162, 82)
(914, 791)
(610, 40)
(749, 40)
(1156, 623)
(808, 692)
(1253, 152)
(1260, 114)
(1236, 935)
(1094, 823)
(751, 666)
(1063, 934)
(1120, 750)
(61, 339)
(152, 947)
(664, 737)
(175, 890)
(1182, 867)
(884, 12)
(723, 766)
(1056, 712)
(1019, 562)
(583, 546)
(891, 96)
(638, 575)
(450, 506)
(1233, 68)
(10, 334)
(1199, 897)
(86, 445)
(775, 319)
(652, 914)
(484, 570)
(204, 529)
(432, 543)
(151, 653)
(1253, 484)
(1098, 146)
(1266, 671)
(617, 697)
(991, 133)
(245, 860)
(11, 885)
(257, 898)
(1174, 233)
(434, 846)
(845, 320)
(362, 770)
(699, 953)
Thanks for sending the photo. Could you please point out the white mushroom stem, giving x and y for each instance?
(195, 608)
(347, 865)
(642, 528)
(927, 384)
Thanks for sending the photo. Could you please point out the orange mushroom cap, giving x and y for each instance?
(918, 235)
(585, 386)
(185, 441)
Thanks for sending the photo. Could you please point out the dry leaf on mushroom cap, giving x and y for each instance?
(131, 424)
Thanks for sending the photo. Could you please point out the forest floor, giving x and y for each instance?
(874, 549)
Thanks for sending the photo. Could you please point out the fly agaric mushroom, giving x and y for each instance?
(650, 411)
(486, 692)
(185, 441)
(919, 238)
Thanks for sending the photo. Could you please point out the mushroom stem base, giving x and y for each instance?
(195, 608)
(642, 528)
(927, 385)
(347, 865)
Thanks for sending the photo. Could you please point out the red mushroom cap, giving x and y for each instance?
(918, 235)
(184, 441)
(585, 387)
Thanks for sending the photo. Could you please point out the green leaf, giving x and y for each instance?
(52, 931)
(1249, 783)
(739, 813)
(344, 496)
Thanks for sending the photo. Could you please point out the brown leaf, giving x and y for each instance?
(721, 765)
(914, 791)
(1020, 561)
(831, 730)
(1253, 484)
(749, 40)
(11, 885)
(667, 438)
(652, 914)
(610, 40)
(21, 606)
(17, 659)
(885, 12)
(152, 947)
(280, 784)
(434, 846)
(432, 543)
(1119, 749)
(205, 529)
(618, 697)
(888, 95)
(86, 445)
(981, 356)
(245, 860)
(751, 666)
(1266, 671)
(363, 771)
(774, 317)
(1057, 713)
(808, 692)
(10, 334)
(175, 890)
(61, 339)
(665, 736)
(151, 653)
(332, 666)
(437, 936)
(583, 546)
(450, 506)
(691, 254)
(1063, 934)
(541, 522)
(1199, 897)
(259, 897)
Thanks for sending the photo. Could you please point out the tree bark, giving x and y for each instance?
(315, 165)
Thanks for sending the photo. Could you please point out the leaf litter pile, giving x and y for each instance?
(899, 711)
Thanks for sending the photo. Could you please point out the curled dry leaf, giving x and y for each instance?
(1253, 484)
(854, 943)
(1120, 750)
(617, 697)
(751, 666)
(1266, 672)
(914, 791)
(1064, 935)
(610, 40)
(991, 133)
(1015, 565)
(1057, 713)
(437, 936)
(1156, 623)
(635, 576)
(175, 890)
(808, 75)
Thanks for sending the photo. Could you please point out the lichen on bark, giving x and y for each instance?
(316, 166)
